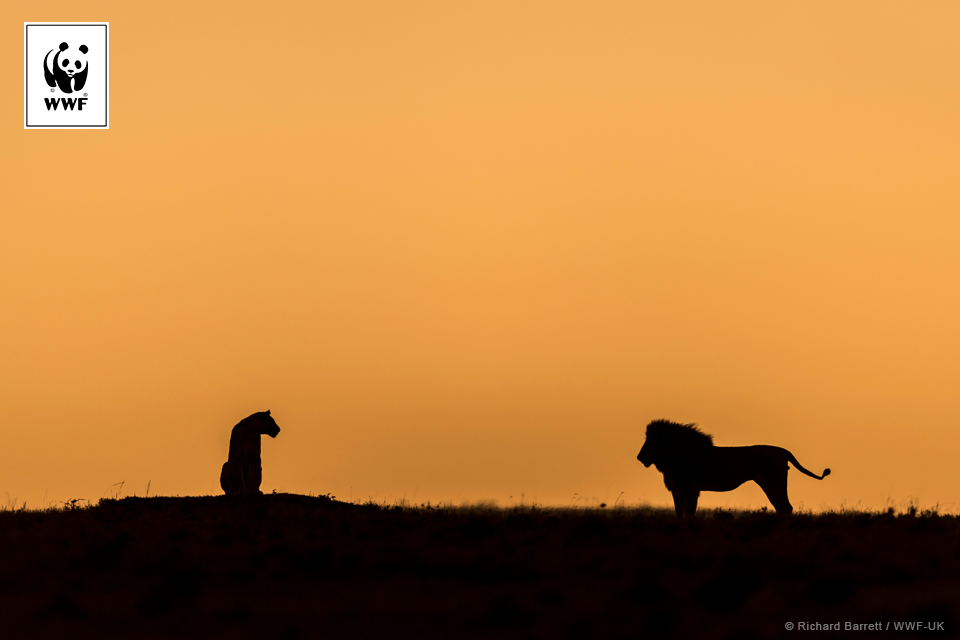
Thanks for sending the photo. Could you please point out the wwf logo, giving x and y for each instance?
(65, 67)
(66, 75)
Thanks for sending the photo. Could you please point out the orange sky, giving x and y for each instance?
(467, 251)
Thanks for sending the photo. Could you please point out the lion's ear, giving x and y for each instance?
(267, 412)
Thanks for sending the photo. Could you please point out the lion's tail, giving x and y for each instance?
(799, 467)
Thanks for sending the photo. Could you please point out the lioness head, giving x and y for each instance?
(268, 426)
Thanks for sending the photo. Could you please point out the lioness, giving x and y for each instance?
(242, 472)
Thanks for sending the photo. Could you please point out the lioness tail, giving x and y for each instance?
(800, 468)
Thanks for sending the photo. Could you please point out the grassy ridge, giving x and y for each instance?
(297, 566)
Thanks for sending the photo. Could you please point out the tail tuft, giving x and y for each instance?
(826, 472)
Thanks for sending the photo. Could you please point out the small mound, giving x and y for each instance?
(190, 504)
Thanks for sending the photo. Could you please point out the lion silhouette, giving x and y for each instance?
(242, 472)
(690, 463)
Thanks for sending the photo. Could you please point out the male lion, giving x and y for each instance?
(242, 472)
(690, 463)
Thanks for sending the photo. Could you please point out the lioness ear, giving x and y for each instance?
(267, 412)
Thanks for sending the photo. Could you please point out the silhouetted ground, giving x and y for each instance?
(288, 566)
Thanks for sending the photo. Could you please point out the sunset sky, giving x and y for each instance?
(465, 251)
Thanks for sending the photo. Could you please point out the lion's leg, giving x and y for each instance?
(679, 503)
(692, 499)
(775, 486)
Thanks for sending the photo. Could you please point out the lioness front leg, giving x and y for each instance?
(256, 477)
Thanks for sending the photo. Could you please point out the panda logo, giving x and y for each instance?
(66, 65)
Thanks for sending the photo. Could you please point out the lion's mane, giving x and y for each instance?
(679, 437)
